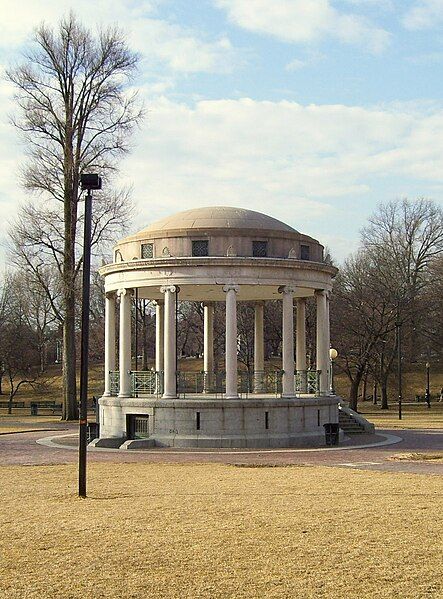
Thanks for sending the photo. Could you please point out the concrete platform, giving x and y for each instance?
(208, 421)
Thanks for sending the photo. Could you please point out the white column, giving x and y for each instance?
(300, 342)
(159, 335)
(109, 340)
(288, 387)
(208, 346)
(322, 350)
(259, 347)
(231, 341)
(125, 342)
(328, 345)
(170, 335)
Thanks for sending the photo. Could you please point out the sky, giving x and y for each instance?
(312, 111)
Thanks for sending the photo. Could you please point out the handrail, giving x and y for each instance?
(150, 382)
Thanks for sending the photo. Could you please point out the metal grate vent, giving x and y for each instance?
(141, 427)
(304, 252)
(200, 248)
(260, 249)
(147, 250)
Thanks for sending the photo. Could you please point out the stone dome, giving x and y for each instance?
(218, 217)
(218, 231)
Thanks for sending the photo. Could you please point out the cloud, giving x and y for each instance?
(180, 49)
(424, 14)
(295, 65)
(298, 21)
(304, 164)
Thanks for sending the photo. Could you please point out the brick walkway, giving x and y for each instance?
(22, 449)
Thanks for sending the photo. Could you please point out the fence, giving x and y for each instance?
(150, 382)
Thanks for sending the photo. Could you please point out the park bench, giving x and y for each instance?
(15, 404)
(48, 405)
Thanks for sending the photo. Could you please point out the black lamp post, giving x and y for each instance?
(399, 369)
(333, 353)
(88, 183)
(428, 392)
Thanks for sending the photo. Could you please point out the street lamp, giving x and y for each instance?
(399, 369)
(333, 353)
(88, 183)
(428, 393)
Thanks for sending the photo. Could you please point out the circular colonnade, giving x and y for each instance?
(210, 255)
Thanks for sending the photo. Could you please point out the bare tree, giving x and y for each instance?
(19, 343)
(75, 115)
(385, 284)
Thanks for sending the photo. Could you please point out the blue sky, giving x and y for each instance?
(312, 111)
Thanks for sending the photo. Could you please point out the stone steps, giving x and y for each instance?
(349, 425)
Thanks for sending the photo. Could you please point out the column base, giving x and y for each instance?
(231, 396)
(107, 394)
(169, 396)
(124, 395)
(288, 395)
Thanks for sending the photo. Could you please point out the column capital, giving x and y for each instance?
(321, 292)
(170, 288)
(110, 294)
(231, 287)
(287, 289)
(159, 302)
(122, 292)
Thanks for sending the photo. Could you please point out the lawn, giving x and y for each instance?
(217, 531)
(414, 416)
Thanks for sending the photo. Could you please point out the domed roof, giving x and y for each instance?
(218, 217)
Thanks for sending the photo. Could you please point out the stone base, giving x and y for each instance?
(138, 444)
(112, 442)
(202, 421)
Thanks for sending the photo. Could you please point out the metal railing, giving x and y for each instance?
(150, 382)
(307, 381)
(146, 382)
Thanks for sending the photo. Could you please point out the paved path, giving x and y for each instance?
(23, 449)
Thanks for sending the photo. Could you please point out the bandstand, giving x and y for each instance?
(210, 255)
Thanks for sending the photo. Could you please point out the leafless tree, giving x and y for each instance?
(385, 284)
(75, 114)
(19, 343)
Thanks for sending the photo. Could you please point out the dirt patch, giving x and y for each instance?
(417, 457)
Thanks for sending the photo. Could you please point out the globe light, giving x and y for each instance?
(333, 353)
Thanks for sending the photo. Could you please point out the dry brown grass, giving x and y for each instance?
(11, 423)
(214, 531)
(418, 457)
(414, 416)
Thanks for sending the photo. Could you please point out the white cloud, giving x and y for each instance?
(301, 21)
(302, 164)
(295, 65)
(424, 14)
(163, 43)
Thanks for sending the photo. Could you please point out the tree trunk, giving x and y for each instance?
(365, 386)
(353, 391)
(42, 351)
(71, 181)
(384, 393)
(374, 394)
(11, 393)
(70, 408)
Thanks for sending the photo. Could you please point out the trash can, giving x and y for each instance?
(331, 433)
(34, 409)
